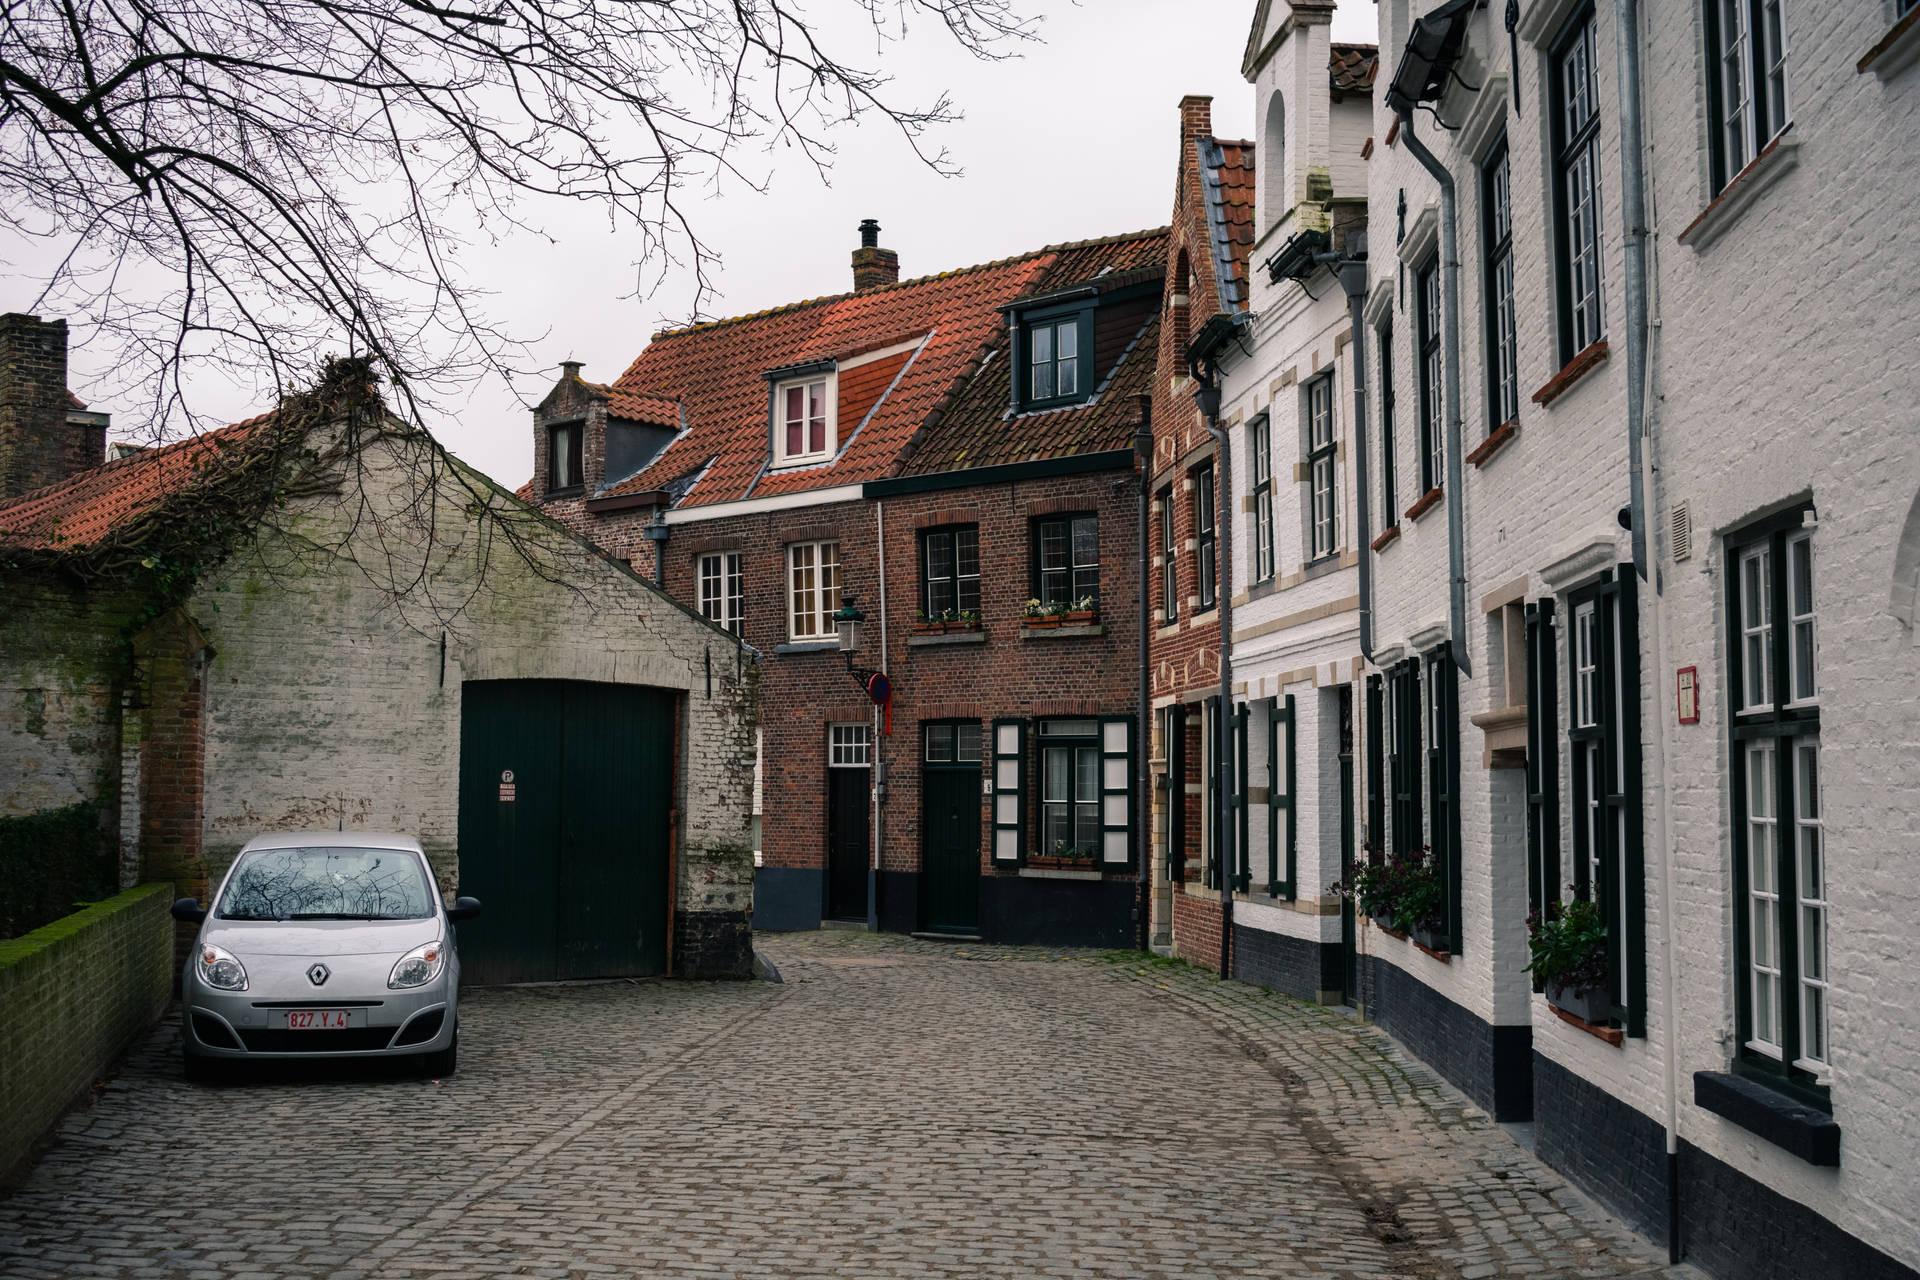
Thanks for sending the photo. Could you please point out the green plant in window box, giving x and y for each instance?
(1420, 906)
(1568, 942)
(963, 620)
(1042, 615)
(1081, 613)
(1372, 886)
(923, 625)
(1069, 852)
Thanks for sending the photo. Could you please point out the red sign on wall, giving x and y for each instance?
(1686, 694)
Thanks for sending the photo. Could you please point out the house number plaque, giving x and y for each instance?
(506, 786)
(1686, 690)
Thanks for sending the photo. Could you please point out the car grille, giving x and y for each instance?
(423, 1028)
(345, 1040)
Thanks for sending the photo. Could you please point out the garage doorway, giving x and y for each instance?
(566, 790)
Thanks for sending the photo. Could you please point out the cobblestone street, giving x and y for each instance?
(894, 1108)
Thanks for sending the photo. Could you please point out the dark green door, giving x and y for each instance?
(950, 841)
(1349, 956)
(849, 842)
(565, 794)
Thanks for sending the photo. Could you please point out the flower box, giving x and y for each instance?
(1589, 1004)
(1044, 621)
(1431, 935)
(1080, 618)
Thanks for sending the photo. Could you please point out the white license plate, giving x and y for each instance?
(324, 1019)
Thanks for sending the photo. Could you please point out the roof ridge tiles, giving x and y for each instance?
(704, 326)
(147, 456)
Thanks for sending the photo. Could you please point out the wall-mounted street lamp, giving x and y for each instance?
(846, 623)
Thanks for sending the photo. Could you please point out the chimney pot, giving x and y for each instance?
(873, 267)
(570, 368)
(869, 233)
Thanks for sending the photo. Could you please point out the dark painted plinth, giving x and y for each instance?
(787, 899)
(1293, 966)
(1021, 910)
(899, 901)
(1492, 1065)
(1614, 1152)
(1733, 1226)
(712, 944)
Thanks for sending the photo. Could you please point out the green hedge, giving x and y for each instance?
(50, 862)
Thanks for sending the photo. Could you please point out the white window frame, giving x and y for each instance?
(850, 745)
(722, 592)
(830, 390)
(810, 606)
(1260, 444)
(1322, 450)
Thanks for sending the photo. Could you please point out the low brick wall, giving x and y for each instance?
(73, 995)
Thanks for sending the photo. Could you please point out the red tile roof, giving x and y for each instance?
(1353, 67)
(82, 510)
(717, 370)
(1226, 178)
(656, 410)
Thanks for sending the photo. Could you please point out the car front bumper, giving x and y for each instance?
(250, 1024)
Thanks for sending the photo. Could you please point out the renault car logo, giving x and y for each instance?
(319, 974)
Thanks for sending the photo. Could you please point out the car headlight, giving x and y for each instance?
(219, 969)
(418, 967)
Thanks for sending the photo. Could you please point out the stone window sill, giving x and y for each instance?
(1387, 537)
(1444, 957)
(925, 639)
(1774, 161)
(1167, 632)
(1427, 502)
(1896, 51)
(1259, 590)
(1792, 1126)
(1062, 633)
(1059, 873)
(807, 646)
(1577, 368)
(571, 491)
(1612, 1035)
(1495, 441)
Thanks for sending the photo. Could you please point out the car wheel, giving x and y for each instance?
(442, 1062)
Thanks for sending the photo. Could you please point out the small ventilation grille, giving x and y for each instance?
(1680, 531)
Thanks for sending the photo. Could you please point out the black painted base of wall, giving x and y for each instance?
(1293, 966)
(712, 944)
(899, 893)
(1492, 1065)
(787, 899)
(1613, 1152)
(1732, 1226)
(1020, 910)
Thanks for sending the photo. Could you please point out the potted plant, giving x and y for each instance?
(1373, 887)
(1569, 946)
(1042, 615)
(965, 620)
(1070, 852)
(1420, 906)
(1082, 613)
(923, 625)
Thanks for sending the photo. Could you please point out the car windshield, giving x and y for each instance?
(327, 884)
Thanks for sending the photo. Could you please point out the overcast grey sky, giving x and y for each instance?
(1075, 138)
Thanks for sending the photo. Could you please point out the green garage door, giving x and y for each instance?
(565, 789)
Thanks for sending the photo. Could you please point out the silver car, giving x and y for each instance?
(331, 944)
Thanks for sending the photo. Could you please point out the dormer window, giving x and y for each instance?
(563, 457)
(1055, 344)
(803, 420)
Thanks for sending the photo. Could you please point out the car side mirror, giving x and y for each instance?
(188, 911)
(464, 909)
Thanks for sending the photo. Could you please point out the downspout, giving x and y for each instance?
(877, 775)
(1207, 398)
(1450, 358)
(1143, 731)
(1352, 271)
(657, 533)
(1642, 479)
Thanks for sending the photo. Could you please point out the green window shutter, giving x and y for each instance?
(1543, 759)
(1243, 872)
(1118, 831)
(1210, 768)
(1282, 824)
(1634, 909)
(1009, 792)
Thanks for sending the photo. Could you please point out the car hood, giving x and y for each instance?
(319, 937)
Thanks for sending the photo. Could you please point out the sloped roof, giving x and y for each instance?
(716, 371)
(1353, 67)
(81, 511)
(1226, 180)
(628, 407)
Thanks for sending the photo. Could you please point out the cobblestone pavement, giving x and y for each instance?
(894, 1108)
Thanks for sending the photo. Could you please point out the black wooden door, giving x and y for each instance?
(950, 848)
(1349, 956)
(849, 843)
(569, 856)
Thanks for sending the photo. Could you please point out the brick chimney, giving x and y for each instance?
(46, 434)
(1196, 116)
(872, 265)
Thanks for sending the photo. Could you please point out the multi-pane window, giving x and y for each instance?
(1747, 80)
(563, 457)
(1603, 693)
(1067, 559)
(1403, 754)
(1323, 501)
(1205, 549)
(1069, 786)
(803, 421)
(722, 592)
(1053, 359)
(1779, 834)
(1390, 511)
(1260, 445)
(952, 743)
(813, 580)
(1169, 563)
(1427, 299)
(950, 570)
(1503, 379)
(849, 746)
(1576, 143)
